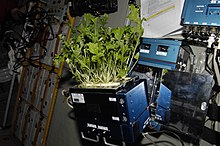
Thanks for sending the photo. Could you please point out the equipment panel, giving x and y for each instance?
(160, 53)
(112, 114)
(201, 12)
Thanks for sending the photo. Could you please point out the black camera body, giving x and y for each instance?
(95, 7)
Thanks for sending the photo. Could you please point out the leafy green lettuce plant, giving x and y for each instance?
(98, 54)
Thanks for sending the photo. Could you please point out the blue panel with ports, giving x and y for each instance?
(201, 12)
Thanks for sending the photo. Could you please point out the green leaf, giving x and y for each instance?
(137, 56)
(103, 19)
(118, 33)
(134, 14)
(122, 73)
(97, 57)
(93, 48)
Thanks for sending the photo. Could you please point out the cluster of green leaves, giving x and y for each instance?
(99, 54)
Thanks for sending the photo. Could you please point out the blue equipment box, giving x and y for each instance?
(201, 12)
(160, 53)
(116, 114)
(162, 112)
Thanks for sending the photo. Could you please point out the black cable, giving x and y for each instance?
(213, 125)
(157, 142)
(43, 21)
(213, 98)
(151, 141)
(169, 132)
(193, 42)
(173, 127)
(217, 59)
(207, 68)
(189, 48)
(182, 143)
(37, 23)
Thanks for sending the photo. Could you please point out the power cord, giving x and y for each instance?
(69, 102)
(37, 22)
(161, 132)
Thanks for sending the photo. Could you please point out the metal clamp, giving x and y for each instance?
(90, 139)
(109, 144)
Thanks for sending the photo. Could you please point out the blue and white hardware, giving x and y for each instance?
(201, 13)
(160, 53)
